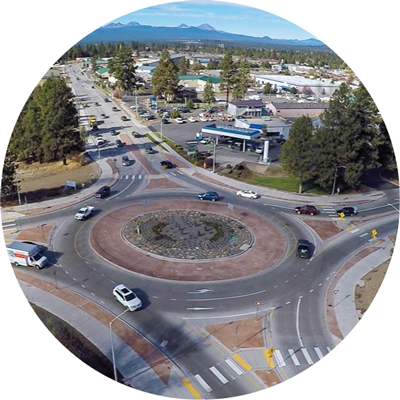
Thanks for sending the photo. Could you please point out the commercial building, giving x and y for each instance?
(246, 108)
(303, 85)
(296, 110)
(198, 82)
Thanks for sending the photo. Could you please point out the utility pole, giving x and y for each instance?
(112, 344)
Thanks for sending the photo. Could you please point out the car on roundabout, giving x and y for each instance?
(308, 210)
(104, 191)
(166, 164)
(303, 248)
(347, 211)
(213, 196)
(84, 212)
(126, 297)
(126, 161)
(249, 194)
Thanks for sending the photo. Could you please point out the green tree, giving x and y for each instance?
(267, 89)
(182, 66)
(8, 182)
(165, 79)
(190, 104)
(242, 80)
(297, 154)
(208, 95)
(123, 69)
(227, 75)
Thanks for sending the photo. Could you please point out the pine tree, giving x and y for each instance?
(242, 80)
(182, 66)
(8, 182)
(227, 75)
(165, 79)
(297, 154)
(208, 95)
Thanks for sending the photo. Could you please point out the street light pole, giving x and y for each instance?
(112, 344)
(214, 156)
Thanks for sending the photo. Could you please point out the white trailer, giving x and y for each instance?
(26, 255)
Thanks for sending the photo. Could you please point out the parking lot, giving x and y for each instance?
(227, 152)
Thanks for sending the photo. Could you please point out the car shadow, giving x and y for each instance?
(142, 296)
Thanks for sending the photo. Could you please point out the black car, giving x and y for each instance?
(303, 248)
(104, 191)
(107, 100)
(167, 164)
(96, 104)
(123, 118)
(119, 143)
(310, 210)
(115, 109)
(150, 150)
(213, 196)
(165, 121)
(348, 211)
(136, 134)
(114, 133)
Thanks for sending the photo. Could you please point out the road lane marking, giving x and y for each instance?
(127, 177)
(198, 308)
(279, 358)
(243, 363)
(328, 348)
(319, 352)
(219, 375)
(355, 230)
(140, 176)
(234, 366)
(294, 357)
(227, 298)
(203, 383)
(268, 356)
(363, 235)
(297, 321)
(307, 356)
(191, 389)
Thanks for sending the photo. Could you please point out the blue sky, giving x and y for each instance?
(228, 17)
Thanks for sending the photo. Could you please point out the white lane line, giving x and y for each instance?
(172, 174)
(140, 176)
(355, 230)
(337, 219)
(126, 176)
(234, 366)
(276, 205)
(133, 177)
(363, 235)
(328, 348)
(297, 322)
(307, 356)
(203, 383)
(119, 193)
(219, 375)
(279, 358)
(198, 308)
(319, 353)
(294, 357)
(8, 225)
(228, 298)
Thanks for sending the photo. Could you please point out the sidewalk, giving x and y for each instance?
(142, 365)
(341, 305)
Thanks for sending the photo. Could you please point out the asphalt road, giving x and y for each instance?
(292, 294)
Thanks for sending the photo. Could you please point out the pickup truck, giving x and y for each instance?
(84, 212)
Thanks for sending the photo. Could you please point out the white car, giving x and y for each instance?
(84, 212)
(126, 297)
(203, 119)
(247, 193)
(192, 119)
(179, 120)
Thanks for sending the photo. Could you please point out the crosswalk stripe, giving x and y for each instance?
(294, 357)
(127, 177)
(234, 366)
(364, 234)
(8, 225)
(140, 176)
(173, 174)
(133, 177)
(280, 360)
(219, 375)
(191, 389)
(203, 383)
(319, 352)
(355, 230)
(328, 348)
(307, 356)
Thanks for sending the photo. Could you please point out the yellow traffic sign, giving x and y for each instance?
(341, 215)
(374, 233)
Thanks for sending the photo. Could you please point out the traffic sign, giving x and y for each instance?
(374, 233)
(341, 215)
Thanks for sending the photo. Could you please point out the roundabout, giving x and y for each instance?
(189, 241)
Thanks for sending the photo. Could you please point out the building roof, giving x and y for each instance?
(231, 131)
(248, 103)
(101, 62)
(103, 71)
(212, 79)
(297, 80)
(299, 106)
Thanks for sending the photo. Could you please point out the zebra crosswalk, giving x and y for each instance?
(301, 356)
(131, 177)
(10, 225)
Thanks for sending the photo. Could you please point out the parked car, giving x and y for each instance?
(203, 119)
(123, 118)
(167, 164)
(136, 134)
(183, 109)
(205, 140)
(126, 297)
(303, 248)
(213, 196)
(125, 161)
(260, 149)
(104, 191)
(348, 211)
(100, 141)
(310, 210)
(192, 119)
(115, 109)
(97, 103)
(84, 212)
(148, 117)
(106, 99)
(250, 194)
(119, 143)
(114, 133)
(280, 141)
(179, 120)
(164, 121)
(104, 116)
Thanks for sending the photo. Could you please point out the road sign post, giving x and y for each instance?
(341, 215)
(374, 233)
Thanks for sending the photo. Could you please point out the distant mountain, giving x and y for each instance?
(206, 27)
(133, 31)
